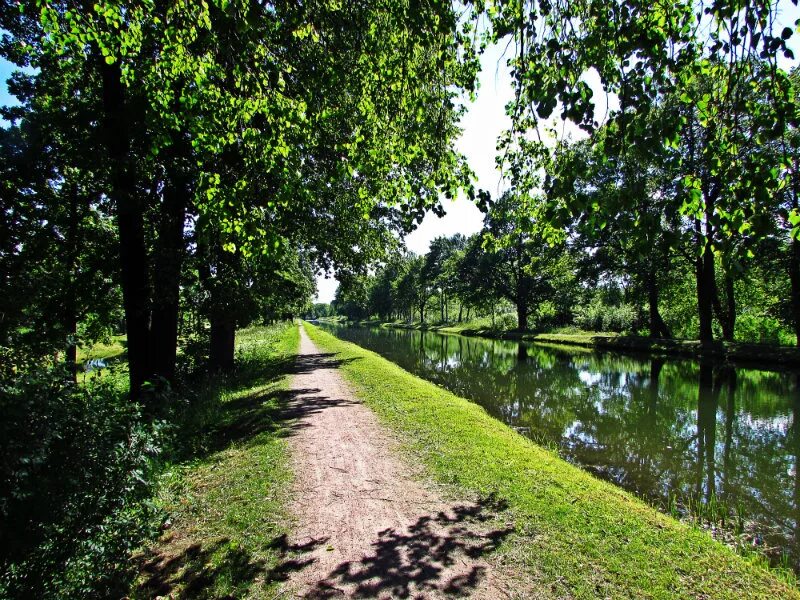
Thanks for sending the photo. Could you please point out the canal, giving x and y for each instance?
(692, 439)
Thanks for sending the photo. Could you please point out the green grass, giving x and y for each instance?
(227, 500)
(576, 536)
(114, 347)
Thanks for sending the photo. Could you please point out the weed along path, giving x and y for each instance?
(367, 528)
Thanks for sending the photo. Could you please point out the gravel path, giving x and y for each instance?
(367, 528)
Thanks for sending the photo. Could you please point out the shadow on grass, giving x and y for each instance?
(242, 420)
(200, 570)
(204, 569)
(427, 557)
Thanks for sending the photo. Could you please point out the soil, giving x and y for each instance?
(367, 525)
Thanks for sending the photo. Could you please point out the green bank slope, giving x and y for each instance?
(576, 536)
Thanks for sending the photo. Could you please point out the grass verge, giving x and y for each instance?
(577, 536)
(227, 499)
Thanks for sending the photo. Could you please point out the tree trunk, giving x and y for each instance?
(704, 276)
(794, 278)
(70, 306)
(460, 311)
(167, 272)
(130, 223)
(729, 329)
(223, 338)
(658, 329)
(522, 315)
(794, 259)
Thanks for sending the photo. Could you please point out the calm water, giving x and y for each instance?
(664, 429)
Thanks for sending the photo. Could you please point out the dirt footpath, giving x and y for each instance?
(366, 527)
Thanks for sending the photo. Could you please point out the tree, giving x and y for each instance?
(516, 261)
(716, 66)
(436, 272)
(248, 116)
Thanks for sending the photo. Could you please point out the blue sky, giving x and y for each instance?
(5, 72)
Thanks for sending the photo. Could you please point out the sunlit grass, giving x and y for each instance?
(576, 536)
(112, 348)
(227, 501)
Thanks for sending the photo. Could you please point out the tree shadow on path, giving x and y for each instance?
(181, 567)
(422, 559)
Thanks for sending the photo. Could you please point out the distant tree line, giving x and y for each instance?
(517, 273)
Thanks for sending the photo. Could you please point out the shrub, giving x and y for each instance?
(597, 316)
(76, 472)
(506, 322)
(759, 328)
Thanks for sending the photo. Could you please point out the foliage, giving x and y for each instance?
(598, 316)
(77, 476)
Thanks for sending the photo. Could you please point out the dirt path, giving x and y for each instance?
(366, 527)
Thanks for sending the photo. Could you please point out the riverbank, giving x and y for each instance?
(574, 534)
(765, 356)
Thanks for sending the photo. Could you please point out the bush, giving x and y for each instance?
(506, 322)
(762, 329)
(597, 316)
(76, 471)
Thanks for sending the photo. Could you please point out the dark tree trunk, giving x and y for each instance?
(704, 276)
(130, 223)
(726, 320)
(168, 261)
(729, 328)
(658, 328)
(794, 278)
(522, 314)
(460, 311)
(70, 307)
(223, 339)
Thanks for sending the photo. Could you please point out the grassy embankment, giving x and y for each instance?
(576, 536)
(227, 498)
(765, 355)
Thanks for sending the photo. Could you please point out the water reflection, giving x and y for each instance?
(663, 429)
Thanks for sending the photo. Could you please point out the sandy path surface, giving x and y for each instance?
(366, 527)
